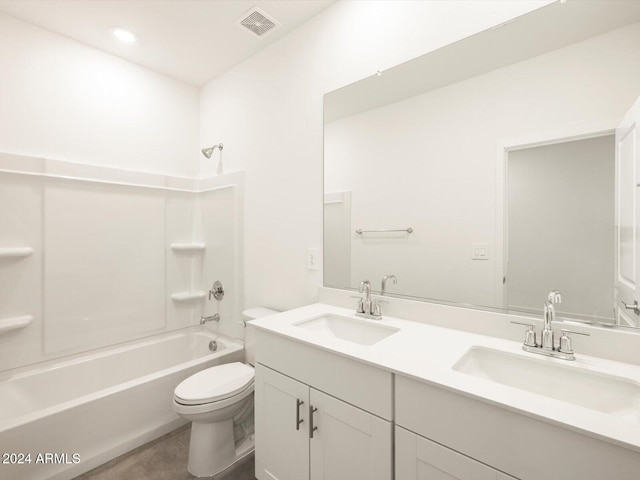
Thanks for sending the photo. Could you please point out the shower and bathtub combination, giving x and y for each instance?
(103, 278)
(99, 405)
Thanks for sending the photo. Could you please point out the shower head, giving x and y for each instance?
(207, 152)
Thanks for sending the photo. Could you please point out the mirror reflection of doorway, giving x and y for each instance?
(560, 227)
(627, 284)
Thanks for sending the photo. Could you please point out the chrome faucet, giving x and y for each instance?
(213, 318)
(553, 298)
(368, 308)
(564, 350)
(384, 282)
(364, 306)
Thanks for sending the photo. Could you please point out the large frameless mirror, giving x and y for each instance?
(495, 169)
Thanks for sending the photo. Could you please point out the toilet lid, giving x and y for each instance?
(214, 384)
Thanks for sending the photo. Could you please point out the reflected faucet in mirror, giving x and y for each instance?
(393, 278)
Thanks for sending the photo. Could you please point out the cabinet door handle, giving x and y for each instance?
(298, 419)
(312, 429)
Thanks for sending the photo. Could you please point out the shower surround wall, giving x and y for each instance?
(116, 255)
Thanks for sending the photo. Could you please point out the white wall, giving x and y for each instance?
(63, 100)
(430, 162)
(268, 113)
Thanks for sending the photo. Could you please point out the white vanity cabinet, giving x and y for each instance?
(304, 429)
(478, 434)
(282, 434)
(418, 458)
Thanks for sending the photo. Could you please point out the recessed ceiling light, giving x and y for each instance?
(124, 35)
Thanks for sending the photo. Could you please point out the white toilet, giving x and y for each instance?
(219, 403)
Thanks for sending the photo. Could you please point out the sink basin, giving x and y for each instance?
(353, 330)
(601, 392)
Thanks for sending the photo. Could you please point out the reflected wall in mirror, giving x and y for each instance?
(502, 153)
(560, 227)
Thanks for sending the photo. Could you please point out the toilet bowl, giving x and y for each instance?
(219, 403)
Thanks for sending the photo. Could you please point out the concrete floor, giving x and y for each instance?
(162, 459)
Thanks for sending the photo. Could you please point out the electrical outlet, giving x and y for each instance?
(312, 258)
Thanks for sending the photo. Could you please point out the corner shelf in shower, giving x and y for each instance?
(13, 323)
(188, 247)
(15, 252)
(188, 296)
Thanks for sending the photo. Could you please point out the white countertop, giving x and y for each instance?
(428, 353)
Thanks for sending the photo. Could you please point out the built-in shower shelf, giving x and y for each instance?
(15, 252)
(188, 247)
(188, 296)
(13, 323)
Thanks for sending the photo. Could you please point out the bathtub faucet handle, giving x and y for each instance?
(215, 318)
(217, 291)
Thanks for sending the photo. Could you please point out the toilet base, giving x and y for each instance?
(212, 449)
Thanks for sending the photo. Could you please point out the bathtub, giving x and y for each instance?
(61, 418)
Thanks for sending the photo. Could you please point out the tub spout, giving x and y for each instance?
(213, 318)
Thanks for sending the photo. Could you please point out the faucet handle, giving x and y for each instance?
(522, 323)
(217, 291)
(565, 331)
(530, 334)
(565, 340)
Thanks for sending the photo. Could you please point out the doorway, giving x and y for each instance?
(560, 217)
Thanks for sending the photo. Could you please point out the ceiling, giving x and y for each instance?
(190, 40)
(505, 44)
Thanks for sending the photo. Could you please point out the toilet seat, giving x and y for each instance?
(232, 381)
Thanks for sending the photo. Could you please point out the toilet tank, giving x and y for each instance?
(249, 330)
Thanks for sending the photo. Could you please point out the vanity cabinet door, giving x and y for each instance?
(420, 459)
(349, 443)
(282, 430)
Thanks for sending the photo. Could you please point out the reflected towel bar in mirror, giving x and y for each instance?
(407, 230)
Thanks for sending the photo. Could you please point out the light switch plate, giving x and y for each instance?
(479, 251)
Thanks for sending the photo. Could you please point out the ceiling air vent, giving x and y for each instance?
(258, 22)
